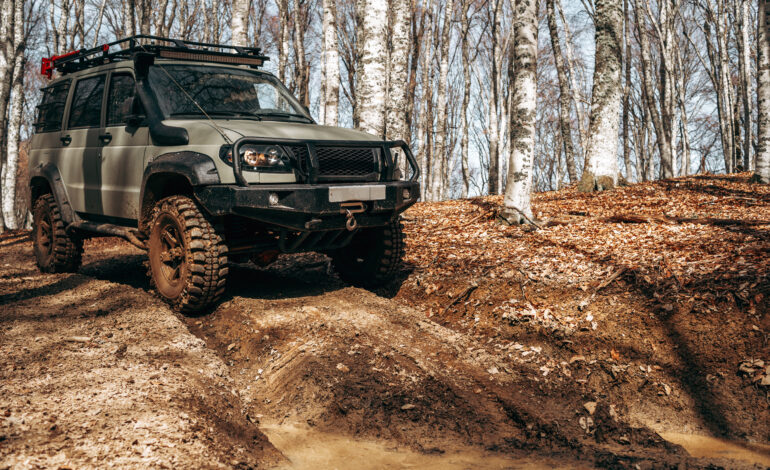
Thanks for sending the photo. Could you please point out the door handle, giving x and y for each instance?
(66, 140)
(105, 138)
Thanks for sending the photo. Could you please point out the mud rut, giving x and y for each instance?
(98, 371)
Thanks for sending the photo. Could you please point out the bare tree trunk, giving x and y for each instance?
(518, 208)
(424, 124)
(440, 152)
(464, 164)
(494, 102)
(626, 93)
(762, 173)
(565, 97)
(99, 23)
(577, 92)
(370, 87)
(239, 22)
(601, 170)
(682, 101)
(744, 62)
(301, 72)
(330, 79)
(663, 143)
(283, 43)
(397, 126)
(12, 140)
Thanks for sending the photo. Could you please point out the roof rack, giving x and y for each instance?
(159, 46)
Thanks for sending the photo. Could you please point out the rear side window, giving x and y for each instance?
(86, 108)
(119, 100)
(51, 108)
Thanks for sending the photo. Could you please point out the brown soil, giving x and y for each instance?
(496, 343)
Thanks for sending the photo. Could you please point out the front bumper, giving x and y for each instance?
(304, 207)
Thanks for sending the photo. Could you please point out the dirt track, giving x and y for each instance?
(98, 372)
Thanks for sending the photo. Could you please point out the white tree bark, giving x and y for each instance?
(440, 154)
(283, 43)
(370, 88)
(8, 173)
(762, 173)
(330, 66)
(13, 138)
(744, 62)
(397, 127)
(577, 92)
(518, 208)
(493, 125)
(239, 22)
(601, 171)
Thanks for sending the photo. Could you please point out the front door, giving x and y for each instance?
(80, 146)
(122, 152)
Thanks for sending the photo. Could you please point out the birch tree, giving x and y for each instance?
(762, 173)
(239, 22)
(370, 88)
(440, 154)
(565, 97)
(397, 124)
(330, 66)
(601, 169)
(466, 60)
(517, 206)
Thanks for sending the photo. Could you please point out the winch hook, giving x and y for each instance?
(351, 223)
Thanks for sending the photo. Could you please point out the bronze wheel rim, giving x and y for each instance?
(169, 263)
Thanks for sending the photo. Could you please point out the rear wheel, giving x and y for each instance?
(374, 256)
(55, 251)
(188, 258)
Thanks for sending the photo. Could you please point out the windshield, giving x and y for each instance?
(221, 92)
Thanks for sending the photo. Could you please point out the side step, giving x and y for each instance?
(131, 235)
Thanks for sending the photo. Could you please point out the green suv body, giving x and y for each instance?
(191, 152)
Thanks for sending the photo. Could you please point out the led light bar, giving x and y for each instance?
(199, 56)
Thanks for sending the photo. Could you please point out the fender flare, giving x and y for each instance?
(196, 168)
(49, 172)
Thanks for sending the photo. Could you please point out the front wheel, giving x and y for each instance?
(373, 257)
(188, 258)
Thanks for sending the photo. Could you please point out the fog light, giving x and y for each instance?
(407, 194)
(273, 199)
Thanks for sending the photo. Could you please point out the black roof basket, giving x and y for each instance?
(159, 46)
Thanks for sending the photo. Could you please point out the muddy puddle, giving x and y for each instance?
(307, 449)
(710, 447)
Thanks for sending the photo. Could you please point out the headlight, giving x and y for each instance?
(272, 158)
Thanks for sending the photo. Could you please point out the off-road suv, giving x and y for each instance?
(190, 151)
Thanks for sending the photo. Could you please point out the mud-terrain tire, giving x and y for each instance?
(188, 258)
(373, 257)
(55, 251)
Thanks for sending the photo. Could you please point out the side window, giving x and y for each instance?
(87, 103)
(119, 100)
(51, 108)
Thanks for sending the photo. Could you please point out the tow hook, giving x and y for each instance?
(349, 209)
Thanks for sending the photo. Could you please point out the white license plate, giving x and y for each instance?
(356, 193)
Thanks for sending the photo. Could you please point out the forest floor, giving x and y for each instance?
(629, 322)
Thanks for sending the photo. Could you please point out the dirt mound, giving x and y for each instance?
(659, 291)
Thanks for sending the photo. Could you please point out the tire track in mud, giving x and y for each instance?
(305, 348)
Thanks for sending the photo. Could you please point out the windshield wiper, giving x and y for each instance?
(282, 114)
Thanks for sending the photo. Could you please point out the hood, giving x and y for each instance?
(203, 132)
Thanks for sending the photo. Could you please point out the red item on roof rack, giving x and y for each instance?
(47, 64)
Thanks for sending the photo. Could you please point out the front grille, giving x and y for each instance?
(347, 161)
